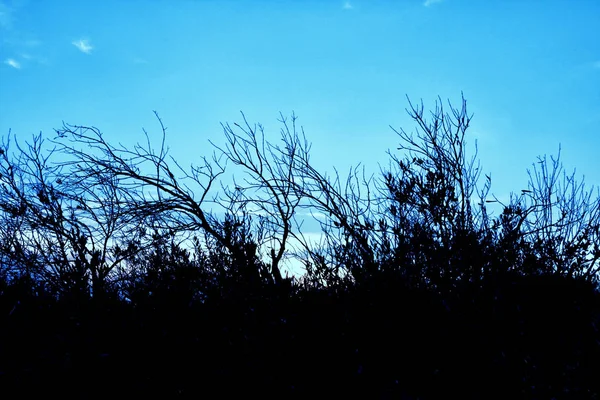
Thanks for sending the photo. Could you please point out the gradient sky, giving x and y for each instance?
(530, 71)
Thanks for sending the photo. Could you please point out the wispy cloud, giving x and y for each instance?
(315, 215)
(22, 43)
(429, 3)
(319, 216)
(13, 63)
(83, 45)
(33, 58)
(347, 6)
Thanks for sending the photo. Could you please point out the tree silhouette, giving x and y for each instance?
(123, 272)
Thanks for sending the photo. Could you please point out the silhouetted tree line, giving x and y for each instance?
(124, 273)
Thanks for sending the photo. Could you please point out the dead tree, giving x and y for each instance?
(560, 217)
(157, 191)
(56, 230)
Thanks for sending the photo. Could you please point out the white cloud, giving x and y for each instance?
(13, 63)
(428, 3)
(316, 215)
(83, 45)
(347, 6)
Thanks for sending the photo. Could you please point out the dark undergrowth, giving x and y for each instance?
(515, 337)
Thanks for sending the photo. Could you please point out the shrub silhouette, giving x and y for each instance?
(118, 276)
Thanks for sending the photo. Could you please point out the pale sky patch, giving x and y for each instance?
(5, 16)
(34, 58)
(318, 215)
(139, 60)
(83, 45)
(21, 43)
(347, 6)
(597, 64)
(428, 3)
(32, 43)
(12, 63)
(313, 238)
(479, 135)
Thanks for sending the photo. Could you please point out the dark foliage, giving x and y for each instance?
(119, 278)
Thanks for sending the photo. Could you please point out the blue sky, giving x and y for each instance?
(530, 71)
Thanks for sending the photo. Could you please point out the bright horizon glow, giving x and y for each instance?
(530, 72)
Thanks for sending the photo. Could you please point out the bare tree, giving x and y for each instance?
(560, 217)
(357, 226)
(54, 229)
(425, 213)
(268, 187)
(154, 196)
(432, 194)
(441, 178)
